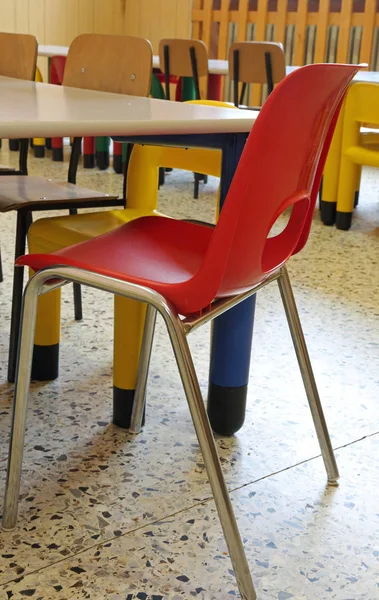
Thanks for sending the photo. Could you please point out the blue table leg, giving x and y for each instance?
(232, 335)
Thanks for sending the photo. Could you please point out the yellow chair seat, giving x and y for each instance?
(54, 233)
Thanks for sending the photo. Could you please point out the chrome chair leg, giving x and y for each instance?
(191, 386)
(143, 370)
(23, 373)
(210, 456)
(307, 375)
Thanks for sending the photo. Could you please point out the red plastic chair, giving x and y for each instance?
(199, 272)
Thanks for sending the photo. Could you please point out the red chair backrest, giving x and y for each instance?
(281, 166)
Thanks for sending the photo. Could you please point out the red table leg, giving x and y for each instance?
(214, 87)
(89, 152)
(117, 157)
(57, 148)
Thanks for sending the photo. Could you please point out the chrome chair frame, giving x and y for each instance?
(178, 329)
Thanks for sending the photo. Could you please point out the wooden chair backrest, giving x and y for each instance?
(119, 64)
(18, 55)
(252, 64)
(180, 57)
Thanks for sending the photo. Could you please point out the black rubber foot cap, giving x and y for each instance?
(161, 176)
(201, 177)
(226, 408)
(122, 407)
(14, 145)
(117, 163)
(48, 143)
(328, 212)
(356, 199)
(45, 365)
(343, 220)
(57, 154)
(89, 161)
(102, 160)
(39, 151)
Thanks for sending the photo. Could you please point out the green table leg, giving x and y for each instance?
(102, 152)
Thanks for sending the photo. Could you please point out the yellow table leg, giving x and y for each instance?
(39, 143)
(129, 321)
(45, 366)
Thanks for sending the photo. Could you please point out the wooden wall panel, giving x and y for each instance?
(56, 22)
(86, 12)
(60, 21)
(8, 15)
(22, 15)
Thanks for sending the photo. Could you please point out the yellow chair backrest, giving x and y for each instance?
(362, 103)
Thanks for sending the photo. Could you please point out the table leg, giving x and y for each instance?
(214, 87)
(102, 152)
(231, 335)
(129, 321)
(45, 366)
(117, 157)
(89, 152)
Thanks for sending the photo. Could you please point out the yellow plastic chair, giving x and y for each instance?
(54, 233)
(329, 189)
(361, 107)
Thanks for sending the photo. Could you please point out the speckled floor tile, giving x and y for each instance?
(109, 487)
(303, 541)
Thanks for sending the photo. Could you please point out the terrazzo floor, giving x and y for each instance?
(107, 515)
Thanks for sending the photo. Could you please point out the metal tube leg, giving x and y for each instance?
(78, 307)
(24, 365)
(18, 280)
(143, 370)
(210, 456)
(307, 375)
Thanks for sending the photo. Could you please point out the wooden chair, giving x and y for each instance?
(255, 62)
(185, 58)
(18, 59)
(108, 63)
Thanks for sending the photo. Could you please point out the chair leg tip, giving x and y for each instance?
(8, 527)
(135, 430)
(328, 212)
(333, 482)
(344, 220)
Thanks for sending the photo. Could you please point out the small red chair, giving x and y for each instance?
(199, 272)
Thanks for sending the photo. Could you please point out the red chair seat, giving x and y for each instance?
(160, 253)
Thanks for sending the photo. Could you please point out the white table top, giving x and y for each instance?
(29, 109)
(50, 50)
(217, 67)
